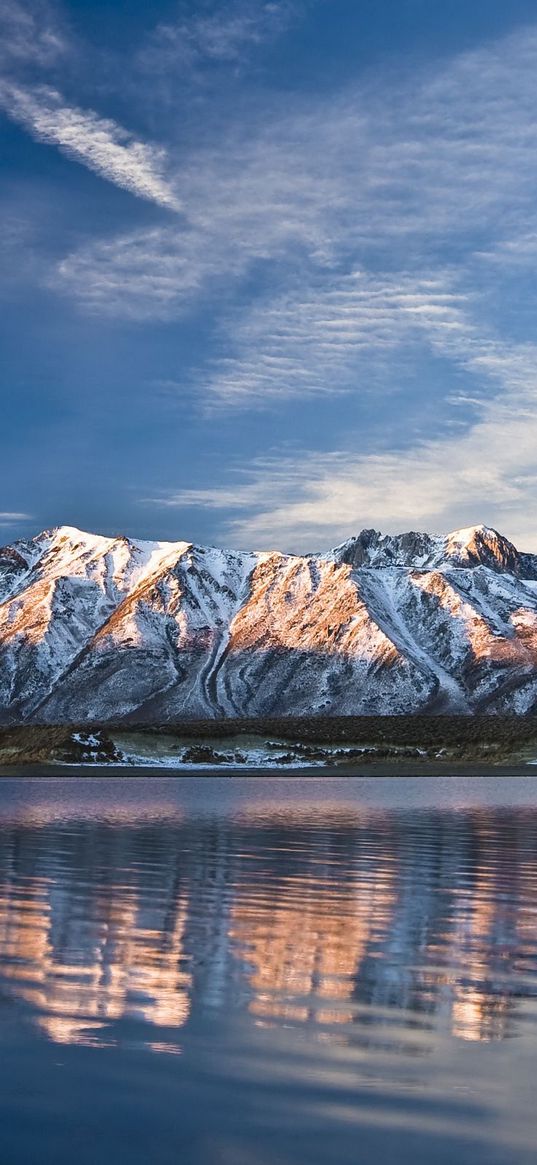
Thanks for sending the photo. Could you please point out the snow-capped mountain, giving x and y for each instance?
(95, 629)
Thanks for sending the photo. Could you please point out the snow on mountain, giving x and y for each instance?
(95, 628)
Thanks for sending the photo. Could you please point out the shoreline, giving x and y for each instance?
(403, 769)
(305, 746)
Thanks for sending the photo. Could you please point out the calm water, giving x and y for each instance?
(252, 972)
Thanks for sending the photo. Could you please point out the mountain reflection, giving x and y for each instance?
(352, 925)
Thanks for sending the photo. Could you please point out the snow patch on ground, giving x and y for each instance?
(256, 759)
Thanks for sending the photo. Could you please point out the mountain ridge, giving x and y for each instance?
(100, 628)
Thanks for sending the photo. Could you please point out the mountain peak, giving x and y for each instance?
(96, 628)
(482, 546)
(467, 547)
(74, 534)
(471, 546)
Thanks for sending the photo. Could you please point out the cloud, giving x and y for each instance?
(215, 35)
(517, 252)
(9, 518)
(319, 499)
(315, 499)
(30, 34)
(147, 274)
(325, 237)
(243, 204)
(321, 340)
(98, 143)
(399, 180)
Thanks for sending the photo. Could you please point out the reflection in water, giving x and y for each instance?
(347, 924)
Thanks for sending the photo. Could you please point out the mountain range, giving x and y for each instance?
(94, 628)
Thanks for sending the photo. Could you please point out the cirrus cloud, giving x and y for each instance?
(98, 143)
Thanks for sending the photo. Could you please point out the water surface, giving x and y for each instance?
(220, 971)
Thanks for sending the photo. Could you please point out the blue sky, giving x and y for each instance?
(268, 270)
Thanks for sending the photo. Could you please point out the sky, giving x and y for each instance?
(268, 270)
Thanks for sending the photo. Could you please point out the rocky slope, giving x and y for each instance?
(95, 629)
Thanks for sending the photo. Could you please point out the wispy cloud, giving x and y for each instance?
(30, 34)
(10, 518)
(322, 341)
(321, 237)
(147, 274)
(314, 499)
(242, 204)
(98, 143)
(216, 35)
(360, 181)
(517, 251)
(318, 499)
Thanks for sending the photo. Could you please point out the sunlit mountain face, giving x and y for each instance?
(96, 629)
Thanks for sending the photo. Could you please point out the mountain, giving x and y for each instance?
(95, 629)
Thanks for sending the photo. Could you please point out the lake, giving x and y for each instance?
(235, 971)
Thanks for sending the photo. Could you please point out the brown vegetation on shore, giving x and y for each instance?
(498, 739)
